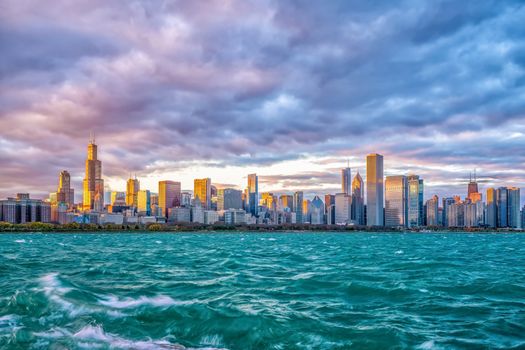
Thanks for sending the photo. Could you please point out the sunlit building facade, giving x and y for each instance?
(169, 196)
(132, 190)
(415, 201)
(396, 192)
(93, 184)
(374, 190)
(202, 192)
(358, 200)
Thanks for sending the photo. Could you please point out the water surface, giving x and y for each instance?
(262, 291)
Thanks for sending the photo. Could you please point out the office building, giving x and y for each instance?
(346, 180)
(343, 205)
(144, 202)
(374, 190)
(502, 207)
(415, 201)
(253, 194)
(432, 209)
(229, 198)
(65, 194)
(298, 206)
(396, 193)
(358, 200)
(202, 191)
(513, 207)
(93, 185)
(132, 190)
(169, 196)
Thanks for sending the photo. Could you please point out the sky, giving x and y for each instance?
(291, 90)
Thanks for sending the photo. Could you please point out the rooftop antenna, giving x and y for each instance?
(475, 178)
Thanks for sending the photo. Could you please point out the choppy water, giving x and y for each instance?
(262, 291)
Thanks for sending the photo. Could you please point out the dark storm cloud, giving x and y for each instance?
(257, 83)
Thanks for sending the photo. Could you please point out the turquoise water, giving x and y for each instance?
(262, 291)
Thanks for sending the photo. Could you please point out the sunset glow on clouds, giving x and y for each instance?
(288, 89)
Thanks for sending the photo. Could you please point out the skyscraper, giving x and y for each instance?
(358, 200)
(492, 208)
(229, 198)
(396, 192)
(202, 191)
(513, 207)
(472, 192)
(144, 202)
(93, 185)
(502, 206)
(433, 211)
(343, 206)
(346, 180)
(374, 190)
(415, 201)
(298, 206)
(169, 196)
(253, 194)
(65, 194)
(132, 190)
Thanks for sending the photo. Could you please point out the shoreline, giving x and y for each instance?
(218, 228)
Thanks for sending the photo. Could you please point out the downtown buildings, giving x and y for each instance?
(392, 201)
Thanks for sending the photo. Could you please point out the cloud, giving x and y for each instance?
(258, 83)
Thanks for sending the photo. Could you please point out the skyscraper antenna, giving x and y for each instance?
(475, 177)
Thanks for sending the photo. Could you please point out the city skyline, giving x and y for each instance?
(181, 94)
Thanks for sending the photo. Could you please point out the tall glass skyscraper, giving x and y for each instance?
(202, 191)
(358, 200)
(346, 180)
(132, 190)
(374, 190)
(93, 185)
(169, 196)
(415, 201)
(502, 206)
(396, 192)
(298, 206)
(253, 194)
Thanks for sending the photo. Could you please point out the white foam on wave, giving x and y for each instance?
(303, 276)
(399, 252)
(158, 242)
(130, 303)
(429, 344)
(20, 240)
(55, 292)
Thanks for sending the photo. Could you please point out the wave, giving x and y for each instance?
(55, 291)
(20, 240)
(130, 303)
(94, 336)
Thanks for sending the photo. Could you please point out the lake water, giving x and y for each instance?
(262, 291)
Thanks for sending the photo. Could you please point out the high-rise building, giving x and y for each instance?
(358, 200)
(433, 211)
(144, 202)
(316, 211)
(415, 201)
(118, 198)
(491, 218)
(502, 206)
(513, 207)
(253, 194)
(396, 193)
(298, 206)
(343, 206)
(93, 185)
(132, 190)
(286, 202)
(229, 198)
(202, 192)
(169, 196)
(374, 190)
(65, 194)
(346, 180)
